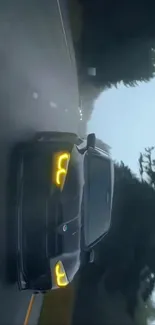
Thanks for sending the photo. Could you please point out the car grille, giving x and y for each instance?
(55, 218)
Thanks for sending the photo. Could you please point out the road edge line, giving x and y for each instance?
(63, 28)
(28, 313)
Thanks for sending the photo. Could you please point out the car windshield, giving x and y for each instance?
(98, 198)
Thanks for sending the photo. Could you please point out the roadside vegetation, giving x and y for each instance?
(117, 39)
(127, 256)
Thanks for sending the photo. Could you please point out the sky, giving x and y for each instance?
(124, 118)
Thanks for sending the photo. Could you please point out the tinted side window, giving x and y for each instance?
(99, 197)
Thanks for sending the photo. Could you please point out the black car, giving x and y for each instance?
(64, 198)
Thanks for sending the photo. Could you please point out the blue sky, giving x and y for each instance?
(125, 119)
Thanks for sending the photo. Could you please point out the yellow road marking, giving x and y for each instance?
(28, 313)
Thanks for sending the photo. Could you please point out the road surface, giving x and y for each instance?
(38, 92)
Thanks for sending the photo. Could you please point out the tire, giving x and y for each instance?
(11, 218)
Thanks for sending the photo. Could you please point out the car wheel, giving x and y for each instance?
(11, 220)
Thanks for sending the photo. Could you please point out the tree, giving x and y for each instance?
(118, 38)
(141, 170)
(130, 244)
(147, 165)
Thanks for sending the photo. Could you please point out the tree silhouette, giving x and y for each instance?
(118, 38)
(130, 244)
(141, 170)
(147, 165)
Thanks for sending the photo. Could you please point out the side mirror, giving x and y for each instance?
(91, 140)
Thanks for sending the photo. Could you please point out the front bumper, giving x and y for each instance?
(40, 216)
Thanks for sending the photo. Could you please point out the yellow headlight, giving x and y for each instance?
(60, 273)
(61, 162)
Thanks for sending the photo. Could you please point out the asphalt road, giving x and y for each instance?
(38, 92)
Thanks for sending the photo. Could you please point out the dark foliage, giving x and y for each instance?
(130, 244)
(118, 39)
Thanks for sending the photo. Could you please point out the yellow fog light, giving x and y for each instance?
(61, 168)
(60, 273)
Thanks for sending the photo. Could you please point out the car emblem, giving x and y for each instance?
(65, 228)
